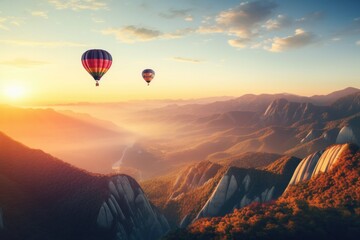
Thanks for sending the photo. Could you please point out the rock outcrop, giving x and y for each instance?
(318, 162)
(313, 134)
(128, 212)
(306, 168)
(194, 176)
(283, 112)
(348, 134)
(329, 157)
(240, 187)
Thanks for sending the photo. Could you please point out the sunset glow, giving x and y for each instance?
(14, 92)
(197, 49)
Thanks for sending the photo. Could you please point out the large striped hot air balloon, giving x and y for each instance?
(148, 75)
(97, 62)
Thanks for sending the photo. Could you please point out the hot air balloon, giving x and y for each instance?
(97, 62)
(148, 75)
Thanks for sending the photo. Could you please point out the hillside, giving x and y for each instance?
(181, 194)
(325, 207)
(66, 136)
(42, 197)
(208, 189)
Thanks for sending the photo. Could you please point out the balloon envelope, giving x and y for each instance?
(148, 75)
(96, 62)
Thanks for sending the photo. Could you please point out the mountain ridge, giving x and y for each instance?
(44, 197)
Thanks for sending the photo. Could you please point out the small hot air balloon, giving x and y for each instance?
(97, 62)
(148, 75)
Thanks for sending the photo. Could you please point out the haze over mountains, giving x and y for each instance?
(80, 139)
(205, 159)
(183, 131)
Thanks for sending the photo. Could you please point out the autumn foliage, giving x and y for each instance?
(326, 207)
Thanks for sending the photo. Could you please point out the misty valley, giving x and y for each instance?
(268, 166)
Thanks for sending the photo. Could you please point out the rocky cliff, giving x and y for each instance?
(240, 187)
(128, 212)
(283, 112)
(318, 162)
(193, 177)
(349, 134)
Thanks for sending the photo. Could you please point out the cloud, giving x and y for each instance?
(353, 28)
(77, 5)
(131, 34)
(189, 60)
(244, 20)
(189, 18)
(358, 43)
(97, 20)
(22, 62)
(209, 29)
(312, 17)
(5, 22)
(298, 40)
(39, 14)
(42, 44)
(239, 43)
(2, 23)
(281, 21)
(177, 13)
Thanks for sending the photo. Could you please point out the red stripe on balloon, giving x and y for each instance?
(97, 63)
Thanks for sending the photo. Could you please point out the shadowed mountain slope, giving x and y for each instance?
(42, 197)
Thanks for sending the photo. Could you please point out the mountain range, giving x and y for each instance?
(324, 206)
(264, 166)
(67, 135)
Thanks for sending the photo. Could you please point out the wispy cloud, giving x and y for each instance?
(177, 13)
(358, 43)
(312, 17)
(239, 43)
(189, 18)
(42, 44)
(189, 60)
(281, 21)
(132, 34)
(39, 14)
(7, 22)
(78, 5)
(3, 24)
(23, 62)
(98, 20)
(352, 28)
(300, 39)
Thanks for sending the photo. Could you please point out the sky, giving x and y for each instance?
(197, 48)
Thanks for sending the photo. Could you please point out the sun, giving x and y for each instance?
(14, 92)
